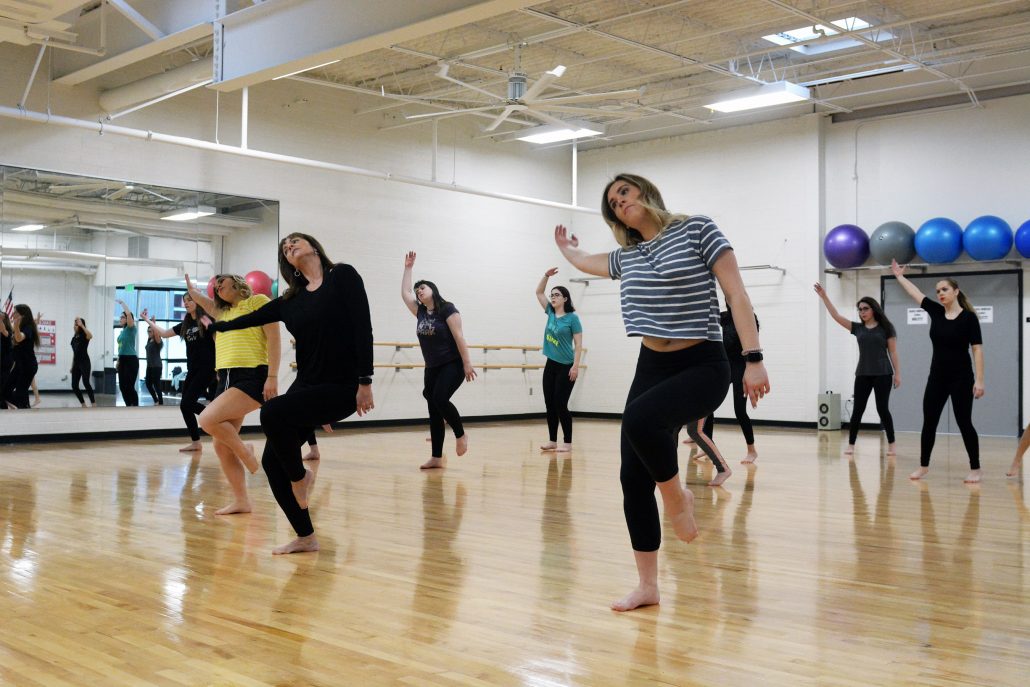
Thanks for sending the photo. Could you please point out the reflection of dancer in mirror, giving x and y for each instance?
(36, 399)
(326, 310)
(248, 367)
(24, 344)
(200, 364)
(954, 330)
(447, 360)
(563, 347)
(669, 265)
(154, 363)
(82, 366)
(6, 360)
(879, 368)
(128, 357)
(1017, 461)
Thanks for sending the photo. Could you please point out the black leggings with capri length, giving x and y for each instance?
(198, 382)
(288, 421)
(81, 371)
(557, 388)
(440, 384)
(128, 375)
(881, 386)
(669, 390)
(958, 385)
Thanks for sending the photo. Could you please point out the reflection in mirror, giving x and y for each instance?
(73, 249)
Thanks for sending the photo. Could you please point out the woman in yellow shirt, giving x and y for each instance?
(247, 362)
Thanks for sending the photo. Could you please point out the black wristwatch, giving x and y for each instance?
(754, 357)
(364, 381)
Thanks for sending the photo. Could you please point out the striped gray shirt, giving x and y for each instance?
(668, 289)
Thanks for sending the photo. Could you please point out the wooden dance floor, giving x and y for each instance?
(810, 570)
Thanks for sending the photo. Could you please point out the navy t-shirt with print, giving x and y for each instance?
(434, 336)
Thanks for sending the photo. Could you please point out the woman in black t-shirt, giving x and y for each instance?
(82, 367)
(24, 344)
(447, 360)
(954, 330)
(878, 366)
(6, 358)
(200, 365)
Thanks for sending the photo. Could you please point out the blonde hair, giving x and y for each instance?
(650, 200)
(238, 283)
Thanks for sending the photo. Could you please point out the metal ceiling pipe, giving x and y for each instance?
(156, 86)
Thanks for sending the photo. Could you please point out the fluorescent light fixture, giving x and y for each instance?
(188, 215)
(305, 69)
(766, 95)
(860, 75)
(552, 133)
(807, 33)
(29, 227)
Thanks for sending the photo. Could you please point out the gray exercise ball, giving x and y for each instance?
(893, 241)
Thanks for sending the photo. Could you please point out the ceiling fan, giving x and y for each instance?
(530, 102)
(117, 189)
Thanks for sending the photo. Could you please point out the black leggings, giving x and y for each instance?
(669, 390)
(21, 381)
(958, 385)
(128, 375)
(557, 390)
(288, 421)
(881, 385)
(740, 402)
(704, 440)
(197, 382)
(81, 371)
(153, 380)
(440, 384)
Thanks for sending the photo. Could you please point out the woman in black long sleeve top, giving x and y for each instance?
(326, 310)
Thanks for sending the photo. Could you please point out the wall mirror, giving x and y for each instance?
(73, 247)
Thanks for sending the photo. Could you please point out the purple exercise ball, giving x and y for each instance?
(846, 246)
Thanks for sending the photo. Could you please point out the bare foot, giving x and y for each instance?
(461, 445)
(892, 449)
(850, 450)
(637, 598)
(1014, 470)
(191, 447)
(250, 460)
(973, 477)
(683, 521)
(234, 507)
(37, 402)
(433, 463)
(750, 458)
(313, 454)
(920, 473)
(564, 448)
(720, 477)
(549, 446)
(298, 545)
(301, 488)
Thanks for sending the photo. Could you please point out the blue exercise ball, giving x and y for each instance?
(939, 240)
(987, 238)
(846, 246)
(893, 241)
(1023, 239)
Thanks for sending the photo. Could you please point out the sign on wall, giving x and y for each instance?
(47, 353)
(917, 316)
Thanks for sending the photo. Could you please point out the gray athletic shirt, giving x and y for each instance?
(873, 360)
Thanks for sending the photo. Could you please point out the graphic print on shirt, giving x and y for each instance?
(426, 325)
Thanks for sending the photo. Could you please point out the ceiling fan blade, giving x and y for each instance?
(629, 94)
(544, 117)
(588, 111)
(470, 110)
(500, 118)
(442, 74)
(542, 83)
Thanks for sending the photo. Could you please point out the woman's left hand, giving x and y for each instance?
(470, 372)
(271, 389)
(364, 399)
(756, 382)
(978, 390)
(573, 373)
(897, 381)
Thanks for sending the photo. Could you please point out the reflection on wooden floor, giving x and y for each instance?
(811, 570)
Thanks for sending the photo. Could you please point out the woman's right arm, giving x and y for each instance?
(88, 334)
(910, 288)
(542, 286)
(201, 299)
(568, 244)
(407, 292)
(837, 317)
(130, 321)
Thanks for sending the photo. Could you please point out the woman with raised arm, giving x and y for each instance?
(82, 366)
(447, 360)
(563, 348)
(326, 310)
(200, 364)
(954, 330)
(154, 364)
(128, 357)
(6, 360)
(669, 265)
(248, 375)
(24, 342)
(879, 368)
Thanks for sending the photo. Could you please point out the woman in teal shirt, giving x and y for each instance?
(128, 357)
(563, 346)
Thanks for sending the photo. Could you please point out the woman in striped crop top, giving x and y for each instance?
(669, 265)
(247, 362)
